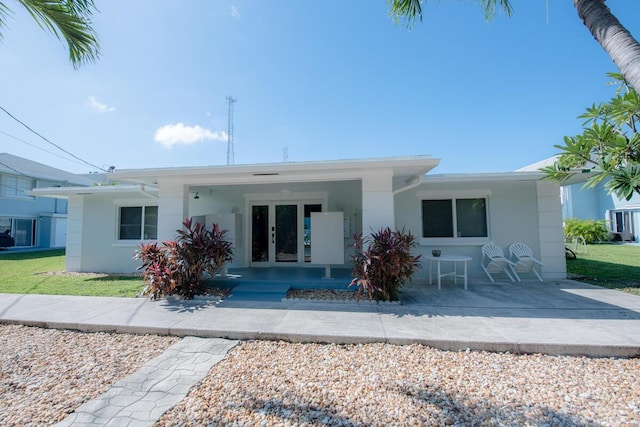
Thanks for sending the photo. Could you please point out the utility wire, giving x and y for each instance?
(41, 149)
(52, 143)
(15, 170)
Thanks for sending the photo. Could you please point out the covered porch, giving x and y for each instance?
(268, 209)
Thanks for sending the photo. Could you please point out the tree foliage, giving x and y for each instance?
(410, 11)
(68, 20)
(609, 146)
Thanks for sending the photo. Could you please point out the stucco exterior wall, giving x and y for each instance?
(514, 215)
(101, 250)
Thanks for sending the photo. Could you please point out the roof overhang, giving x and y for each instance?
(485, 177)
(403, 170)
(65, 192)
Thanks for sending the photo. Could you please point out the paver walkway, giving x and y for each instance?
(141, 398)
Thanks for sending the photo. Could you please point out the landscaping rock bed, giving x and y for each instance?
(284, 384)
(331, 295)
(45, 374)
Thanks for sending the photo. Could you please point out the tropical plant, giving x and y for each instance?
(161, 269)
(178, 267)
(614, 38)
(362, 261)
(68, 20)
(609, 146)
(592, 230)
(383, 263)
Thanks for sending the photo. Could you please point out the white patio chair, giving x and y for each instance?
(523, 259)
(493, 262)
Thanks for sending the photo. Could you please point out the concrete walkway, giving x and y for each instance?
(561, 317)
(141, 398)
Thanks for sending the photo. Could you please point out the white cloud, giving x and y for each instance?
(94, 104)
(170, 135)
(234, 11)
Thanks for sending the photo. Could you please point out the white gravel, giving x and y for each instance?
(264, 383)
(45, 373)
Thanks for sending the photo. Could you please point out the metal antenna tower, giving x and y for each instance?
(230, 155)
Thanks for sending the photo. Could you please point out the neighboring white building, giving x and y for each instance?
(622, 216)
(305, 214)
(33, 221)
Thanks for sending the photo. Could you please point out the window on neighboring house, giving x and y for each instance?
(24, 231)
(455, 218)
(138, 223)
(16, 186)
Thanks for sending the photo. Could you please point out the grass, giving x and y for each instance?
(41, 273)
(612, 266)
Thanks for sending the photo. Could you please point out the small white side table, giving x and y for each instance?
(453, 259)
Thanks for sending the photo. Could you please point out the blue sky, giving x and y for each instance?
(324, 80)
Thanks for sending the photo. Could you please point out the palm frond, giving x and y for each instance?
(410, 11)
(68, 20)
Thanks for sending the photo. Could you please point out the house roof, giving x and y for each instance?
(537, 165)
(403, 169)
(576, 178)
(64, 192)
(486, 176)
(15, 165)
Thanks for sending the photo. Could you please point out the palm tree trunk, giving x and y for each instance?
(614, 38)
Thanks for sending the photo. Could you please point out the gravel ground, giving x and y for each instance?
(45, 373)
(277, 383)
(324, 294)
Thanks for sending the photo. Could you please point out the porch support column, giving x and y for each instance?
(551, 230)
(75, 221)
(173, 208)
(377, 201)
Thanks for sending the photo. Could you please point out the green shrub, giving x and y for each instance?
(591, 230)
(385, 265)
(178, 267)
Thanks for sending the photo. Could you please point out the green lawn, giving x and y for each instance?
(610, 265)
(40, 273)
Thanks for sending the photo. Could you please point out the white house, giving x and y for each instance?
(304, 214)
(622, 216)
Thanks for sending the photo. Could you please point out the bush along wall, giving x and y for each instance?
(177, 267)
(592, 230)
(383, 263)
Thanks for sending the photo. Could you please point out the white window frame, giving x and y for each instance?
(135, 242)
(453, 196)
(28, 184)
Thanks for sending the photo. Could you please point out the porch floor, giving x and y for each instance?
(272, 284)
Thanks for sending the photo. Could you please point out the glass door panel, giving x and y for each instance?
(307, 228)
(25, 232)
(286, 233)
(260, 233)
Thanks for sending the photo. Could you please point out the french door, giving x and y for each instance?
(281, 232)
